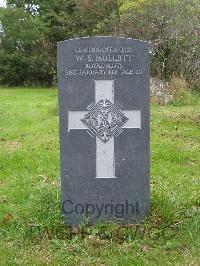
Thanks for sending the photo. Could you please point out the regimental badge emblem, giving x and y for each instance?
(104, 119)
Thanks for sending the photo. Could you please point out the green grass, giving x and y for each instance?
(31, 227)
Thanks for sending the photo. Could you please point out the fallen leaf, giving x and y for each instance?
(8, 217)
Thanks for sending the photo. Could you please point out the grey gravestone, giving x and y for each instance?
(104, 129)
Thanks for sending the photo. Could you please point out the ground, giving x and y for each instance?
(31, 227)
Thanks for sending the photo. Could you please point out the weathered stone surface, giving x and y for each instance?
(104, 129)
(159, 91)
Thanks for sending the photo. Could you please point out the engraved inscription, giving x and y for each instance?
(104, 58)
(103, 61)
(108, 49)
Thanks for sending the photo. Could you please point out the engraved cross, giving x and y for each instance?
(105, 155)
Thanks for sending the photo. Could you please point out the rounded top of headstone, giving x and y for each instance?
(94, 38)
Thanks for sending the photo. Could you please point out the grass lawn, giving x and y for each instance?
(31, 227)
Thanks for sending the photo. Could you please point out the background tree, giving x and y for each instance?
(171, 27)
(30, 30)
(24, 53)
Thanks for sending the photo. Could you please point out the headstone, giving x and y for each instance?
(104, 129)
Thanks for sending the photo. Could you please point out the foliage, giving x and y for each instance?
(171, 27)
(30, 30)
(24, 54)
